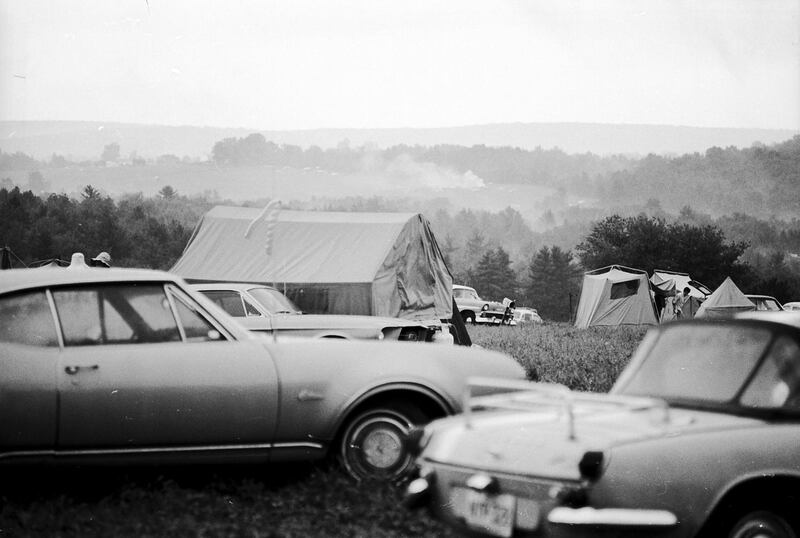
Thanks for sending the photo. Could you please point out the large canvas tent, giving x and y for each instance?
(725, 302)
(383, 264)
(615, 295)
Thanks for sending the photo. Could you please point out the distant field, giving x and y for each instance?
(249, 184)
(286, 501)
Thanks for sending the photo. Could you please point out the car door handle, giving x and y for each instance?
(72, 370)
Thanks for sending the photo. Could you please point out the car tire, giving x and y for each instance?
(762, 523)
(468, 316)
(372, 445)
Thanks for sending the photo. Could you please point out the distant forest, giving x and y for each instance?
(760, 181)
(751, 196)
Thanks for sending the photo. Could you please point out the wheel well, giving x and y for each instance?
(776, 493)
(428, 405)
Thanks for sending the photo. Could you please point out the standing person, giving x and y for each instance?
(682, 309)
(101, 260)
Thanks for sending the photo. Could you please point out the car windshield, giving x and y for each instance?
(274, 301)
(696, 362)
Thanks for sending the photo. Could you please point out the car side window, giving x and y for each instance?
(777, 382)
(195, 326)
(250, 308)
(115, 314)
(230, 301)
(27, 319)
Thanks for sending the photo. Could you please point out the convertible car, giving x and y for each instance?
(698, 437)
(267, 310)
(131, 366)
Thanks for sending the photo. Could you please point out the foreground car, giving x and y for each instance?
(699, 437)
(131, 366)
(473, 309)
(265, 309)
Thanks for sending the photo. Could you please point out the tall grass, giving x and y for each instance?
(582, 359)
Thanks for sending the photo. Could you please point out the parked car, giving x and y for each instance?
(524, 315)
(793, 305)
(765, 302)
(265, 309)
(698, 437)
(473, 309)
(133, 366)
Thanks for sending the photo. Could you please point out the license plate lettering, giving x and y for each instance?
(492, 513)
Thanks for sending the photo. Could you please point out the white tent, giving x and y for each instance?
(615, 295)
(381, 264)
(726, 300)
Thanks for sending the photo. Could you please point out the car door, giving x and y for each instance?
(29, 356)
(143, 366)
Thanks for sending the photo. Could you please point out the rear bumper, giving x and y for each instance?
(612, 517)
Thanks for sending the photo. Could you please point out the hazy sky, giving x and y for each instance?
(297, 64)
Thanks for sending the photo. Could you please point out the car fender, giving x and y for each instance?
(655, 473)
(321, 381)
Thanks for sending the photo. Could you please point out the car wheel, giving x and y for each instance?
(468, 317)
(762, 524)
(373, 442)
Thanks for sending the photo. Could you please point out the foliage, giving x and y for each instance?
(650, 243)
(110, 152)
(493, 277)
(581, 359)
(136, 232)
(553, 284)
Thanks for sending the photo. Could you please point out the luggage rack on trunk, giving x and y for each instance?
(529, 395)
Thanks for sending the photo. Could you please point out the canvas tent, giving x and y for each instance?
(383, 264)
(725, 302)
(666, 284)
(615, 295)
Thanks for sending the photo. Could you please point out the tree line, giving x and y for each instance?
(152, 232)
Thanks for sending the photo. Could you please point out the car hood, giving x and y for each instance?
(538, 443)
(324, 321)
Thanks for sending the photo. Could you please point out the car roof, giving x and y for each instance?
(789, 318)
(239, 286)
(755, 296)
(20, 279)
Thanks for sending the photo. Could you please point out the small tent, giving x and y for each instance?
(615, 295)
(381, 264)
(725, 302)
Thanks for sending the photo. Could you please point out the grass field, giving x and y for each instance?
(279, 501)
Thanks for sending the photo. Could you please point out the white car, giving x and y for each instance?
(264, 309)
(523, 315)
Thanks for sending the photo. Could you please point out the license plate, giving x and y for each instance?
(491, 513)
